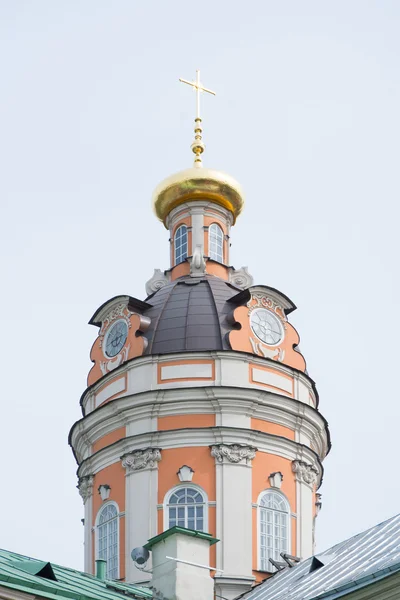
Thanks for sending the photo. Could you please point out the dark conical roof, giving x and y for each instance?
(189, 314)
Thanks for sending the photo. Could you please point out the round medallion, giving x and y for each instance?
(266, 326)
(115, 338)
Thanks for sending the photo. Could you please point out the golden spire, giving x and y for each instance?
(198, 144)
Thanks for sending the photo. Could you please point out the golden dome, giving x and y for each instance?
(198, 184)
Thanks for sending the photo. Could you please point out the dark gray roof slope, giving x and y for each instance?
(359, 561)
(189, 314)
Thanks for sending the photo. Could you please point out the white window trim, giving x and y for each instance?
(185, 484)
(111, 502)
(289, 528)
(209, 242)
(187, 243)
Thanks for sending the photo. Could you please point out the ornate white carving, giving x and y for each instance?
(141, 459)
(263, 301)
(259, 348)
(109, 365)
(158, 281)
(305, 472)
(85, 487)
(275, 479)
(197, 263)
(185, 473)
(234, 453)
(241, 278)
(119, 311)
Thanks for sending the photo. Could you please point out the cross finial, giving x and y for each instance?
(198, 145)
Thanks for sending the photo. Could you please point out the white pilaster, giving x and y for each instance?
(85, 487)
(141, 485)
(234, 485)
(306, 478)
(197, 214)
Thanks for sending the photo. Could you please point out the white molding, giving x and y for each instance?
(138, 413)
(187, 371)
(193, 437)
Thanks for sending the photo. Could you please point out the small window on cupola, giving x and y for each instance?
(216, 243)
(181, 244)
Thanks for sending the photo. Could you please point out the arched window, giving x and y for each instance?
(107, 534)
(186, 507)
(181, 244)
(274, 528)
(216, 243)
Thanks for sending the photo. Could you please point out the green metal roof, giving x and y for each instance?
(37, 577)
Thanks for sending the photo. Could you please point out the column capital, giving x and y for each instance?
(305, 473)
(85, 487)
(233, 453)
(146, 458)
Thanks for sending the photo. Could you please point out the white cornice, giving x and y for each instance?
(187, 438)
(253, 403)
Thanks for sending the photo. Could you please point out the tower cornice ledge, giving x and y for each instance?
(137, 408)
(205, 436)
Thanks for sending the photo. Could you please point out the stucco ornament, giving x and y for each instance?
(275, 479)
(185, 473)
(85, 487)
(241, 278)
(158, 281)
(305, 472)
(141, 459)
(233, 453)
(197, 262)
(118, 312)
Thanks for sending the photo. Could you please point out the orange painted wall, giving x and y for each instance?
(182, 421)
(108, 439)
(240, 340)
(114, 476)
(273, 428)
(263, 465)
(203, 464)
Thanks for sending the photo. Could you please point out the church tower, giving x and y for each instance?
(199, 411)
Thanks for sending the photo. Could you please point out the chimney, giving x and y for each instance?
(186, 573)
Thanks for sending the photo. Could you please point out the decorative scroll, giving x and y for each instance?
(241, 278)
(85, 487)
(305, 472)
(234, 453)
(141, 459)
(158, 281)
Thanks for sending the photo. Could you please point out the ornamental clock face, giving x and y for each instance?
(266, 326)
(115, 338)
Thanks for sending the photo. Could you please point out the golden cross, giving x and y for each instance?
(198, 144)
(198, 87)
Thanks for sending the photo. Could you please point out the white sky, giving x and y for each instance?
(92, 117)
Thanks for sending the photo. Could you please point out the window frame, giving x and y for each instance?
(97, 526)
(269, 491)
(172, 491)
(182, 258)
(218, 226)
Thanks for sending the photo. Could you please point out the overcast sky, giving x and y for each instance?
(92, 117)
